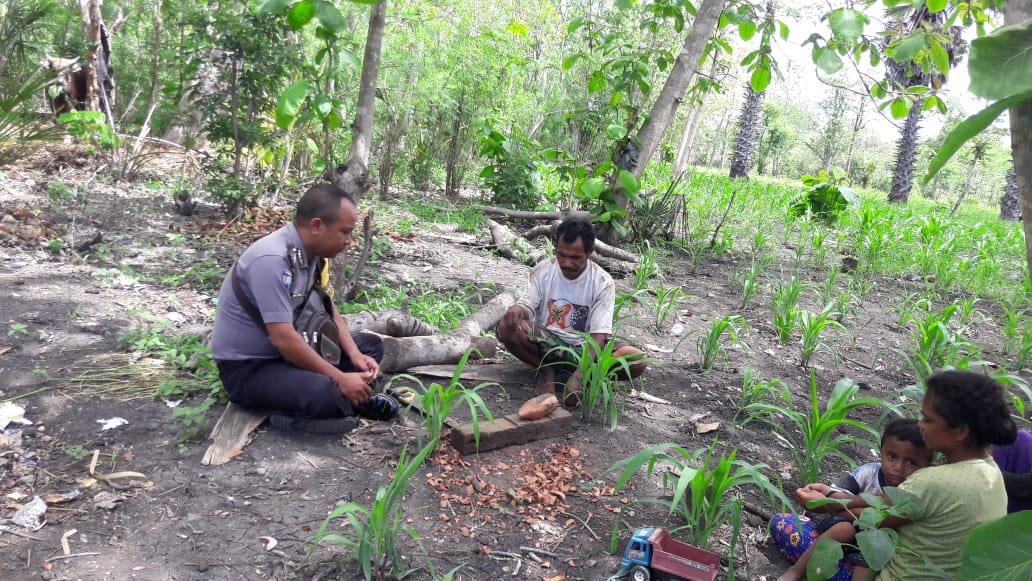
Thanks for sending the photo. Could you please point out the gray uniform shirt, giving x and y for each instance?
(267, 279)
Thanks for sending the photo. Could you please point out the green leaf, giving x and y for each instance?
(329, 16)
(367, 2)
(906, 48)
(616, 99)
(346, 57)
(937, 5)
(827, 60)
(877, 545)
(574, 25)
(616, 132)
(289, 103)
(323, 104)
(593, 187)
(596, 83)
(900, 107)
(746, 29)
(847, 25)
(760, 79)
(630, 183)
(271, 7)
(782, 30)
(571, 60)
(301, 14)
(517, 29)
(1001, 549)
(969, 128)
(824, 561)
(1001, 63)
(940, 58)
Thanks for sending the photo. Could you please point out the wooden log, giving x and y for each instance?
(391, 322)
(511, 246)
(510, 431)
(231, 433)
(506, 373)
(401, 353)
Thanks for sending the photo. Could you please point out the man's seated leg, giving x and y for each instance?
(295, 398)
(631, 354)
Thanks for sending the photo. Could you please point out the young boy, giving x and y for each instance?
(902, 451)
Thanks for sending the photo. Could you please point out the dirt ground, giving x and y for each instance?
(61, 315)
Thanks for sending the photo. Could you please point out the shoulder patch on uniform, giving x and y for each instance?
(288, 279)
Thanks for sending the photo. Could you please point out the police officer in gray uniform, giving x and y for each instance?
(269, 366)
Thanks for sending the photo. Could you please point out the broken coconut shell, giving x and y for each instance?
(538, 407)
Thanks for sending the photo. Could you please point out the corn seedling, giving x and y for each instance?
(820, 248)
(1011, 329)
(746, 283)
(711, 345)
(437, 401)
(599, 372)
(1023, 353)
(783, 306)
(755, 390)
(812, 327)
(912, 302)
(371, 534)
(703, 486)
(813, 435)
(936, 345)
(665, 304)
(966, 310)
(647, 268)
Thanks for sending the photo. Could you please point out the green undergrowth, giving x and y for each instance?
(443, 309)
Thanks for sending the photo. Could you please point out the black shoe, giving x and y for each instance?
(379, 407)
(325, 426)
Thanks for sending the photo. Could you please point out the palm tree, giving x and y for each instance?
(1010, 204)
(908, 20)
(747, 133)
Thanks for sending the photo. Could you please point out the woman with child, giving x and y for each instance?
(962, 415)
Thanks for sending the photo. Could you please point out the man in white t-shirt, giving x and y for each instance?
(567, 295)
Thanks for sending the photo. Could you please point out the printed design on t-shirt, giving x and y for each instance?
(566, 315)
(288, 279)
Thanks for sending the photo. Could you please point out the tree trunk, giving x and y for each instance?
(906, 156)
(858, 124)
(155, 53)
(455, 141)
(745, 137)
(354, 176)
(665, 107)
(405, 352)
(967, 185)
(1021, 137)
(1010, 204)
(91, 20)
(692, 126)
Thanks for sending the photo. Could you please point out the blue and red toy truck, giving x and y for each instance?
(653, 549)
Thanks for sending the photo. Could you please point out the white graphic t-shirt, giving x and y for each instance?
(564, 306)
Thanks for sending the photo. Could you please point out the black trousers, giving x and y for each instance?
(278, 386)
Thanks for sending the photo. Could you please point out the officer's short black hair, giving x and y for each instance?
(322, 201)
(573, 228)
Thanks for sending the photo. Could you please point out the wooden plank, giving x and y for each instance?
(510, 373)
(231, 434)
(510, 431)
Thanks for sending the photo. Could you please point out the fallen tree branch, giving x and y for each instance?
(511, 246)
(401, 353)
(612, 265)
(392, 323)
(522, 214)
